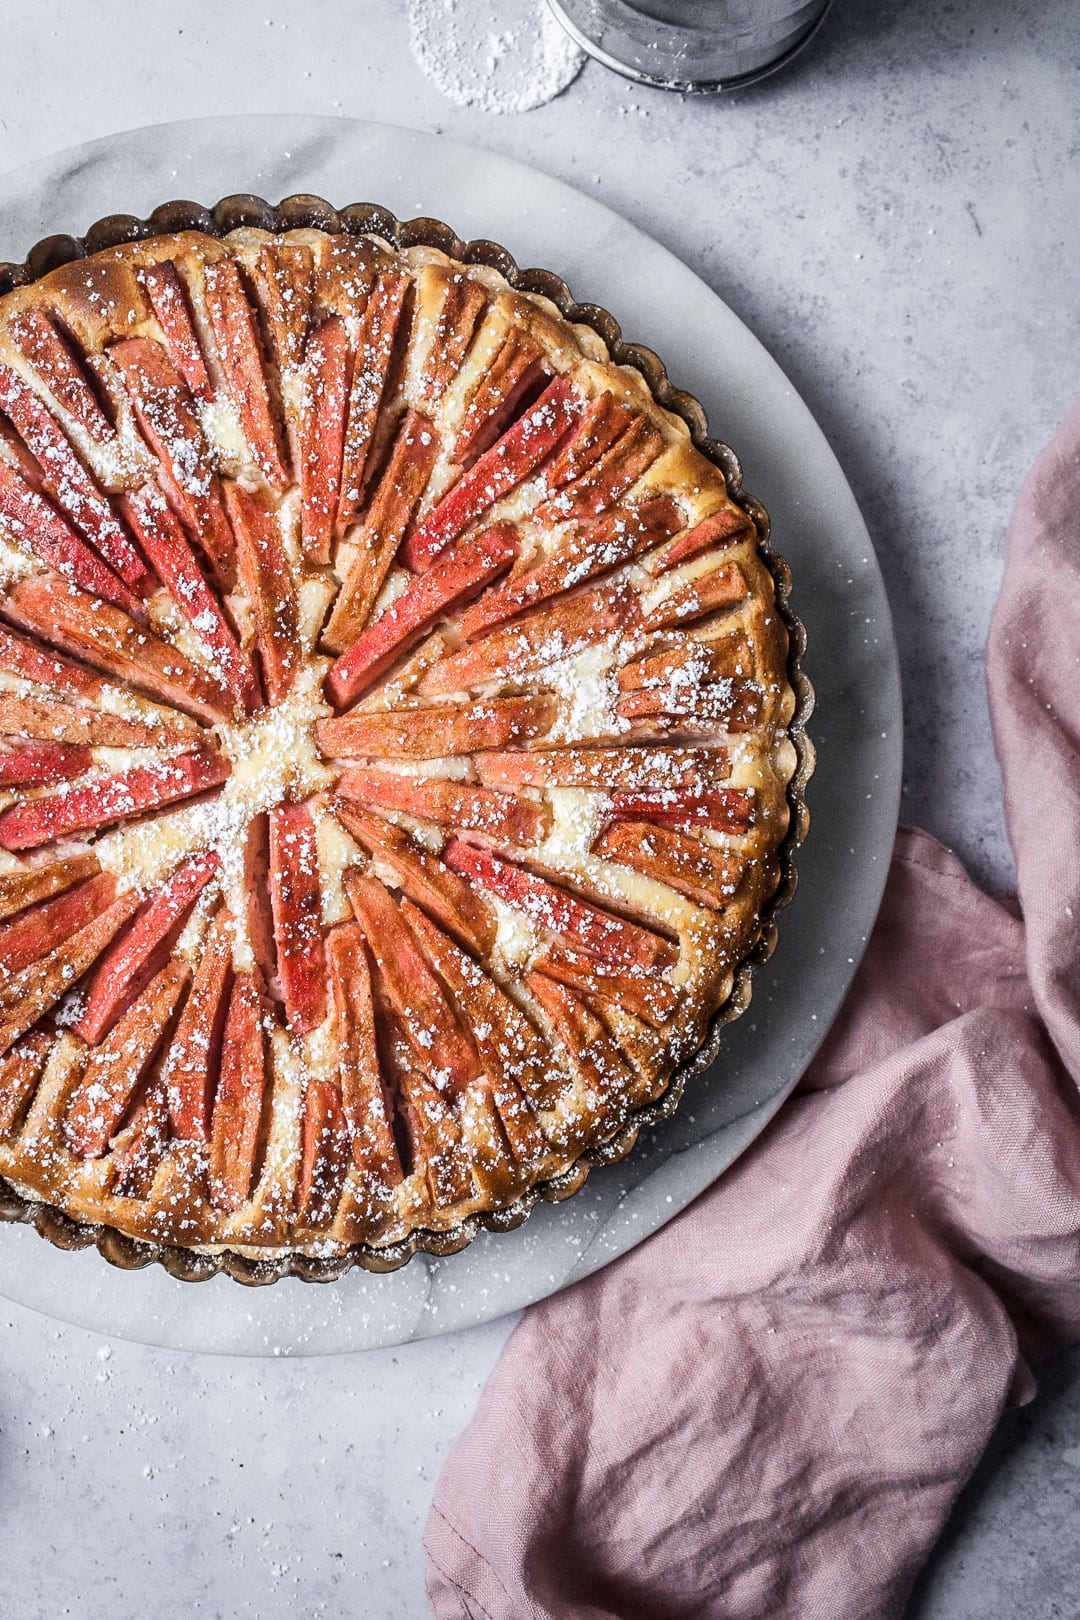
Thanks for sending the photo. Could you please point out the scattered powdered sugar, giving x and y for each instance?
(502, 56)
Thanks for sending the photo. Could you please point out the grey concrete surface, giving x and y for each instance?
(1010, 1546)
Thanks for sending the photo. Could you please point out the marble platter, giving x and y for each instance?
(851, 660)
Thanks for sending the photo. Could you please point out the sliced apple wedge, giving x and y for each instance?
(41, 531)
(603, 422)
(720, 587)
(51, 721)
(133, 961)
(143, 1141)
(163, 540)
(268, 584)
(34, 764)
(703, 873)
(284, 283)
(524, 1135)
(110, 799)
(560, 630)
(258, 914)
(555, 910)
(460, 805)
(717, 531)
(169, 299)
(437, 731)
(403, 481)
(483, 1142)
(514, 373)
(728, 704)
(113, 642)
(166, 414)
(425, 879)
(590, 1048)
(324, 1153)
(33, 884)
(239, 346)
(15, 453)
(645, 995)
(321, 435)
(400, 684)
(426, 1016)
(36, 933)
(371, 370)
(511, 1049)
(196, 1046)
(607, 769)
(455, 578)
(29, 661)
(116, 1068)
(296, 901)
(240, 1099)
(689, 663)
(363, 1093)
(608, 478)
(729, 810)
(40, 986)
(70, 484)
(462, 308)
(20, 1072)
(615, 539)
(508, 463)
(53, 357)
(434, 1126)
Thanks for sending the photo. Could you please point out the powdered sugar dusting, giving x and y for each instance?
(502, 58)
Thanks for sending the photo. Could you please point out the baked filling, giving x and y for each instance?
(395, 741)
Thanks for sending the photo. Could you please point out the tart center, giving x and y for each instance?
(273, 755)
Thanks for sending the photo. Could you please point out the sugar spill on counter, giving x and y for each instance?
(508, 57)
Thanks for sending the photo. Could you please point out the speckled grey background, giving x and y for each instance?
(896, 219)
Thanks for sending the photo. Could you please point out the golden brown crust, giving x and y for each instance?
(699, 706)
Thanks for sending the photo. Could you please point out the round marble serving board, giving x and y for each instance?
(852, 661)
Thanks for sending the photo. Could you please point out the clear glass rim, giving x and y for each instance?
(692, 86)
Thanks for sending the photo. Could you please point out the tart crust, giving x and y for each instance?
(469, 971)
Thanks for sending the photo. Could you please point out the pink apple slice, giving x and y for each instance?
(165, 544)
(383, 319)
(456, 577)
(171, 303)
(460, 805)
(40, 530)
(71, 485)
(116, 1068)
(364, 1098)
(111, 640)
(240, 1099)
(196, 1047)
(53, 357)
(555, 910)
(110, 799)
(296, 901)
(133, 961)
(437, 731)
(509, 462)
(240, 351)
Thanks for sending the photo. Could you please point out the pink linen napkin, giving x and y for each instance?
(767, 1409)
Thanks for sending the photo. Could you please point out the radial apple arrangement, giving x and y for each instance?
(396, 721)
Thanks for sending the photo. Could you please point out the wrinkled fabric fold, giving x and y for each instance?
(768, 1408)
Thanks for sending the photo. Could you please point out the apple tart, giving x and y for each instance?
(396, 746)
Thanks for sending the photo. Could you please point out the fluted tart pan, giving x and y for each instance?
(433, 747)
